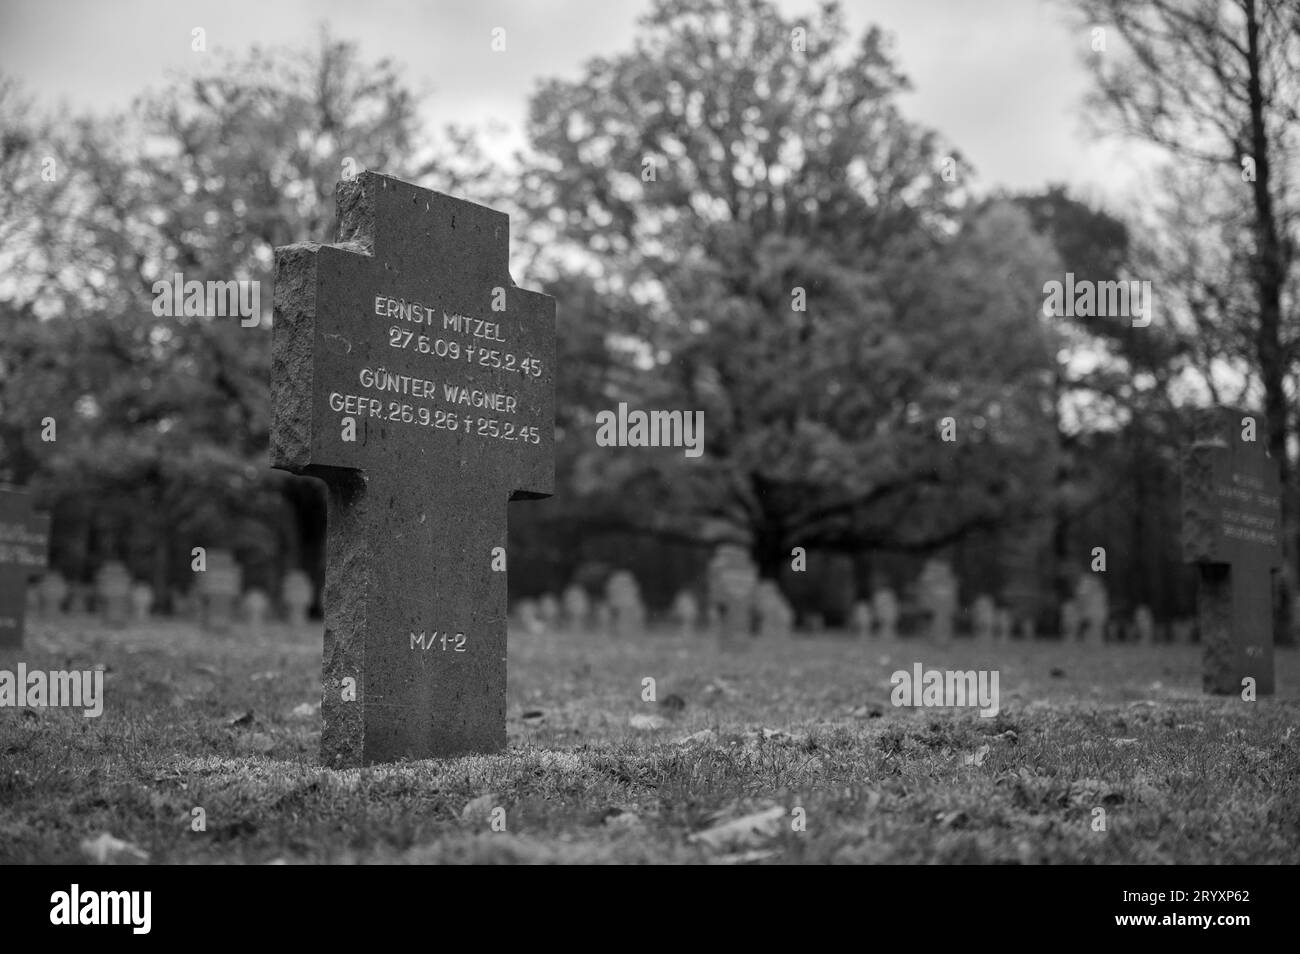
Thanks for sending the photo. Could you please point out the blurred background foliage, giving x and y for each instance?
(675, 199)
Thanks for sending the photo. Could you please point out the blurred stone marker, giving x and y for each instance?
(577, 607)
(1070, 621)
(24, 544)
(256, 605)
(861, 619)
(1094, 608)
(1002, 624)
(141, 601)
(113, 593)
(297, 593)
(548, 608)
(81, 599)
(185, 604)
(1144, 625)
(686, 612)
(732, 580)
(1232, 530)
(774, 615)
(884, 603)
(983, 616)
(54, 593)
(938, 595)
(411, 375)
(623, 595)
(219, 586)
(529, 618)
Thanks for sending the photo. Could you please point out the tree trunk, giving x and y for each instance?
(1268, 277)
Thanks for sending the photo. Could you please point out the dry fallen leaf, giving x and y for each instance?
(746, 857)
(954, 819)
(699, 738)
(745, 832)
(619, 818)
(479, 809)
(258, 742)
(108, 850)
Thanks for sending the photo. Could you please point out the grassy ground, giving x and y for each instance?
(232, 726)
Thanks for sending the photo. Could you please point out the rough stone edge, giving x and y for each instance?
(355, 212)
(1200, 531)
(292, 337)
(348, 584)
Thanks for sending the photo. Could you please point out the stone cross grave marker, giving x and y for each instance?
(775, 616)
(860, 619)
(54, 590)
(219, 586)
(185, 603)
(82, 599)
(984, 614)
(141, 601)
(530, 617)
(732, 581)
(686, 612)
(24, 543)
(577, 607)
(938, 586)
(884, 603)
(297, 592)
(113, 593)
(256, 604)
(1232, 529)
(413, 377)
(1144, 625)
(1094, 607)
(623, 594)
(1070, 621)
(548, 609)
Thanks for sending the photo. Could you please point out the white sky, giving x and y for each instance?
(1001, 79)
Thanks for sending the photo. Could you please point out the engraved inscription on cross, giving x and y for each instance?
(1232, 528)
(24, 541)
(413, 377)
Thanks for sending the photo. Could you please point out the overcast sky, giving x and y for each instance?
(1001, 79)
